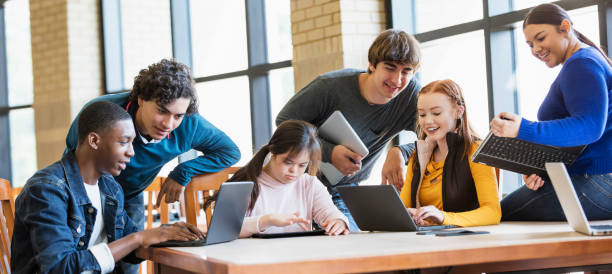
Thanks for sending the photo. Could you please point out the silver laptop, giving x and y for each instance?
(337, 129)
(226, 222)
(569, 202)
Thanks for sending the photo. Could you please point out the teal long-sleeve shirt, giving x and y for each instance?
(194, 132)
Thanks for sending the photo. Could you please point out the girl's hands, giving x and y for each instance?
(533, 181)
(426, 215)
(506, 124)
(284, 220)
(335, 227)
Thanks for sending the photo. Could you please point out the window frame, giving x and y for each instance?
(258, 62)
(5, 108)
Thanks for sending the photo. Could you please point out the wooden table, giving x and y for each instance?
(510, 246)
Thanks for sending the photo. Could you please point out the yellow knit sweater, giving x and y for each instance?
(430, 193)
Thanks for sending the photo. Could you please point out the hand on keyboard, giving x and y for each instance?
(179, 231)
(426, 215)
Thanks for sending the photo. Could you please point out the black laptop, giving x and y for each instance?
(379, 208)
(226, 222)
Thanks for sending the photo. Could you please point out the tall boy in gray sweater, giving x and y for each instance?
(378, 104)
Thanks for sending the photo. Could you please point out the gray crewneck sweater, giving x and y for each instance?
(376, 125)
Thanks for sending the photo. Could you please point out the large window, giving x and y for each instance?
(460, 58)
(240, 53)
(436, 14)
(218, 50)
(146, 35)
(485, 52)
(16, 108)
(281, 90)
(226, 104)
(278, 27)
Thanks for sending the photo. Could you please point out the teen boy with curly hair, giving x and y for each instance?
(164, 107)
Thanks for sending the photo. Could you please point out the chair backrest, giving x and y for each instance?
(7, 220)
(164, 213)
(152, 190)
(500, 182)
(207, 183)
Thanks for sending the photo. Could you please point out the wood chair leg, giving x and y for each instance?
(208, 210)
(191, 203)
(163, 213)
(150, 210)
(182, 206)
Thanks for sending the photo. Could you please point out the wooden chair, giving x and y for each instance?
(500, 183)
(206, 183)
(14, 193)
(152, 190)
(7, 220)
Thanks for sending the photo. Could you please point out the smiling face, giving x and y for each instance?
(437, 115)
(390, 78)
(157, 121)
(115, 147)
(549, 43)
(286, 169)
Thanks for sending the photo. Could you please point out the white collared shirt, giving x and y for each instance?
(145, 141)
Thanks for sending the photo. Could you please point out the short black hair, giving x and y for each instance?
(98, 116)
(164, 82)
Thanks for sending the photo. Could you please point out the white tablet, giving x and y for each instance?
(336, 129)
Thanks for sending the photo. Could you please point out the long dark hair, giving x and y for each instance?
(291, 136)
(465, 131)
(552, 14)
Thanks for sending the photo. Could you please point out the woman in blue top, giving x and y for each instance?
(576, 111)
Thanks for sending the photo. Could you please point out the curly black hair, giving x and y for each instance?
(165, 82)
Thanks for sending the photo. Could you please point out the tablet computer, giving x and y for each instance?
(337, 130)
(199, 242)
(289, 234)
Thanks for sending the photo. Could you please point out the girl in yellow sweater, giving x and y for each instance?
(443, 186)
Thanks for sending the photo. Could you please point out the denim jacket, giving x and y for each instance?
(54, 220)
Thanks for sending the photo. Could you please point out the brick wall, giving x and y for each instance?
(85, 53)
(332, 34)
(66, 67)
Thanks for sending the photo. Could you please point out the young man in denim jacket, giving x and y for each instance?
(69, 217)
(163, 104)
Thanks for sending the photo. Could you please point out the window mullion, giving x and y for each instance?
(5, 134)
(258, 80)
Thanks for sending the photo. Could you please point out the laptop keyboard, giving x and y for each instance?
(175, 243)
(602, 227)
(526, 153)
(434, 227)
(522, 156)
